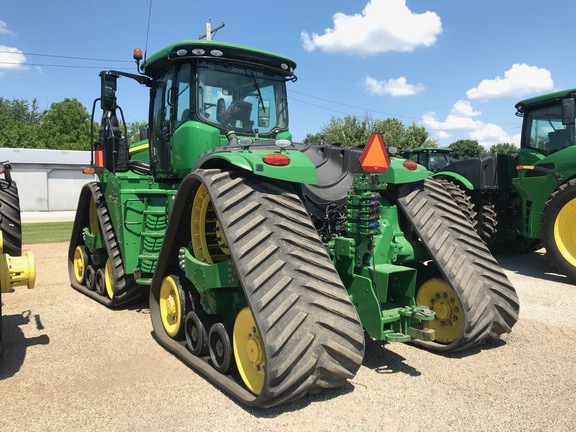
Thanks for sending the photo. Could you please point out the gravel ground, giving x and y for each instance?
(73, 365)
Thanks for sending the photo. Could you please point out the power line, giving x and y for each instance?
(66, 57)
(511, 126)
(62, 66)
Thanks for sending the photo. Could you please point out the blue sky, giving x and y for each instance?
(455, 67)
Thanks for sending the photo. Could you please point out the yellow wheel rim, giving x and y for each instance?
(93, 218)
(564, 232)
(109, 279)
(170, 306)
(1, 242)
(248, 351)
(79, 265)
(439, 296)
(208, 242)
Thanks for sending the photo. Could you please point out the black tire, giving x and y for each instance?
(10, 222)
(490, 302)
(310, 331)
(220, 348)
(196, 334)
(126, 290)
(461, 199)
(558, 232)
(486, 221)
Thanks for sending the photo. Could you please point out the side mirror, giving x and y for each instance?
(108, 91)
(568, 111)
(143, 134)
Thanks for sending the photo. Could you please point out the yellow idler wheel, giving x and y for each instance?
(208, 242)
(439, 296)
(248, 351)
(80, 264)
(564, 232)
(109, 279)
(171, 306)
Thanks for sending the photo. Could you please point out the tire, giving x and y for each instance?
(310, 332)
(10, 222)
(92, 212)
(559, 235)
(489, 302)
(486, 221)
(461, 199)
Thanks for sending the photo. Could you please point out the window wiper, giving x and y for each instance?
(255, 82)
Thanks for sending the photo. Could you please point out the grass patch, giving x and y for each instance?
(46, 232)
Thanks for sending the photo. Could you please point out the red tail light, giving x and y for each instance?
(411, 165)
(276, 159)
(375, 157)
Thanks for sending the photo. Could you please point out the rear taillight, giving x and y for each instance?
(276, 159)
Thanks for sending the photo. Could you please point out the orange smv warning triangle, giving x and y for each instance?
(375, 157)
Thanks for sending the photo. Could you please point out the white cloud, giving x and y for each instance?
(383, 25)
(460, 120)
(392, 87)
(464, 108)
(11, 58)
(4, 28)
(520, 80)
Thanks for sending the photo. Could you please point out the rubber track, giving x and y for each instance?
(126, 290)
(10, 222)
(490, 302)
(311, 332)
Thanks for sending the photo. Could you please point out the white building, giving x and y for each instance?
(48, 180)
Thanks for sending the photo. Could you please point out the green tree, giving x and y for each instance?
(134, 130)
(65, 126)
(392, 130)
(465, 149)
(507, 148)
(19, 123)
(351, 131)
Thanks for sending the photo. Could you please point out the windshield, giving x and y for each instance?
(241, 98)
(545, 131)
(431, 160)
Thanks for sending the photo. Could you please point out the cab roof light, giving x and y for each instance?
(375, 157)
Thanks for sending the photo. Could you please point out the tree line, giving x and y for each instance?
(63, 126)
(66, 126)
(351, 131)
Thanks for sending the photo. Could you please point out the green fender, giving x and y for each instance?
(299, 170)
(458, 177)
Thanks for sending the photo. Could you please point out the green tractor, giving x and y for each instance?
(525, 201)
(433, 159)
(266, 261)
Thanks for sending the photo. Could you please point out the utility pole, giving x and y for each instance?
(210, 32)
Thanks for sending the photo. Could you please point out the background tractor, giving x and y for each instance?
(264, 260)
(525, 201)
(15, 270)
(433, 159)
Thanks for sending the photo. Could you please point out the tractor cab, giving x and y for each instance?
(200, 91)
(548, 125)
(434, 159)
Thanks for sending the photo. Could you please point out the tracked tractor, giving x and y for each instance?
(525, 201)
(266, 261)
(15, 270)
